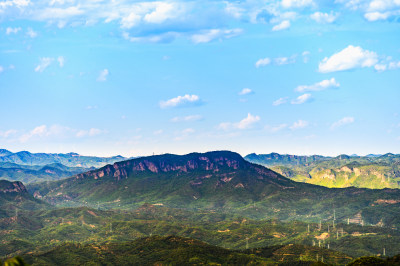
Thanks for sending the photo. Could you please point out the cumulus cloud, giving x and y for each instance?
(342, 122)
(246, 123)
(162, 12)
(280, 101)
(297, 3)
(320, 17)
(10, 30)
(349, 58)
(189, 118)
(103, 75)
(281, 26)
(213, 34)
(43, 64)
(263, 62)
(246, 91)
(319, 86)
(185, 100)
(299, 124)
(374, 16)
(302, 99)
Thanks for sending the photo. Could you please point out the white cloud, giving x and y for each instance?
(89, 133)
(44, 63)
(302, 99)
(40, 131)
(1, 69)
(213, 34)
(281, 26)
(277, 128)
(52, 13)
(233, 10)
(162, 12)
(280, 101)
(58, 131)
(297, 3)
(299, 124)
(157, 38)
(131, 20)
(103, 75)
(374, 16)
(246, 91)
(246, 123)
(184, 133)
(342, 122)
(31, 33)
(61, 61)
(285, 60)
(380, 67)
(189, 118)
(16, 3)
(349, 58)
(181, 101)
(320, 17)
(319, 86)
(394, 65)
(10, 30)
(306, 56)
(263, 62)
(158, 132)
(6, 134)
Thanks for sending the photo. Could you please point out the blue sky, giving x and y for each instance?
(135, 77)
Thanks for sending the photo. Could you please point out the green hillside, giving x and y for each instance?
(375, 172)
(15, 198)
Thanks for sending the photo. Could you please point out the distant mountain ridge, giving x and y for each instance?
(67, 159)
(283, 159)
(38, 173)
(371, 171)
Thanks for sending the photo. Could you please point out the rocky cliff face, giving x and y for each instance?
(12, 187)
(211, 161)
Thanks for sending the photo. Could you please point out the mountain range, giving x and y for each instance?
(67, 159)
(221, 181)
(371, 171)
(217, 197)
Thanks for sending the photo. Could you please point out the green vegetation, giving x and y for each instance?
(38, 173)
(375, 172)
(241, 212)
